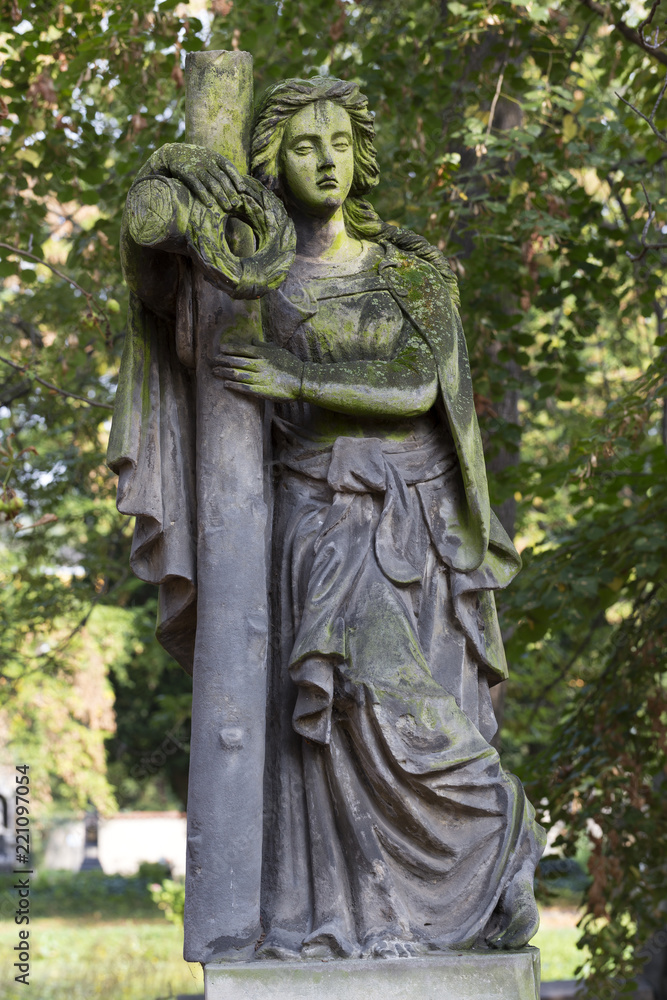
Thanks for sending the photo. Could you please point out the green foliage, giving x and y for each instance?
(87, 93)
(170, 898)
(148, 754)
(590, 644)
(561, 882)
(92, 893)
(502, 139)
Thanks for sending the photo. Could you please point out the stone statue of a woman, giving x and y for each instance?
(391, 828)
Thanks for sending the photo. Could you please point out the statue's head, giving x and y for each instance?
(287, 160)
(312, 143)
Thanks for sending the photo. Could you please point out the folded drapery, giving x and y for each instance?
(390, 501)
(380, 767)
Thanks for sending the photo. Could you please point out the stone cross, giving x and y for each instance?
(224, 853)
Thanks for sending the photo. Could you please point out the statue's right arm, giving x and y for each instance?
(403, 387)
(153, 229)
(178, 205)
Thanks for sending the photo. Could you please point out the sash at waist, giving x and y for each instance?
(388, 468)
(406, 494)
(366, 464)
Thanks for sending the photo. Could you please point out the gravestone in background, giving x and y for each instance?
(7, 826)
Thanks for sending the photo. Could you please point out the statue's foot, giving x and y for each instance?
(390, 947)
(319, 950)
(279, 944)
(516, 918)
(328, 942)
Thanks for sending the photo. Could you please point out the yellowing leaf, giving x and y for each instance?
(517, 187)
(569, 128)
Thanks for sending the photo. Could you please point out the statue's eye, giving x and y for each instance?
(342, 144)
(303, 148)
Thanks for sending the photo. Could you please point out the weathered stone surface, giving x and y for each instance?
(557, 989)
(490, 975)
(225, 805)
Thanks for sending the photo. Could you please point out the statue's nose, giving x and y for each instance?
(326, 160)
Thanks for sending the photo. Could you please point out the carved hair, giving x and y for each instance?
(284, 100)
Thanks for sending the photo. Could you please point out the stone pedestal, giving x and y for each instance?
(477, 975)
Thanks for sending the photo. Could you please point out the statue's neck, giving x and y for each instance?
(323, 238)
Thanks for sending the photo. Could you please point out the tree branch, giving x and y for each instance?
(579, 42)
(650, 120)
(89, 297)
(499, 87)
(645, 23)
(49, 385)
(632, 35)
(643, 238)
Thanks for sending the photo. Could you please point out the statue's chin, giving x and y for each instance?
(322, 206)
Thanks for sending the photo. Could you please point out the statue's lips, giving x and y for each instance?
(327, 182)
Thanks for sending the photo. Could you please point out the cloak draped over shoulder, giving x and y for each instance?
(152, 440)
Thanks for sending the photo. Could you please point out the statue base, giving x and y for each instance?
(463, 975)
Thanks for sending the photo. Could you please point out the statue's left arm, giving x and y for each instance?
(402, 387)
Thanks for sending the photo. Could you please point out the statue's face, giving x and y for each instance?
(317, 158)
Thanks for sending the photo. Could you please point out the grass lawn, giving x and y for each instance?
(557, 941)
(83, 956)
(82, 959)
(95, 935)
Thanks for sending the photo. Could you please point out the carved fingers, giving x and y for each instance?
(206, 174)
(260, 370)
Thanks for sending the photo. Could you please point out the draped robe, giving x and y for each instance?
(388, 815)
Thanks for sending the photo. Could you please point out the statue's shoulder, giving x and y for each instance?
(414, 278)
(406, 261)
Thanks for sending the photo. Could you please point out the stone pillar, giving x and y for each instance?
(224, 854)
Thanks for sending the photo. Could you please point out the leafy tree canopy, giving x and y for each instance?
(525, 139)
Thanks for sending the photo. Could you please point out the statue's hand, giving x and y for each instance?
(212, 179)
(260, 370)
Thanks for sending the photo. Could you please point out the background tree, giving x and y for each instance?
(507, 136)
